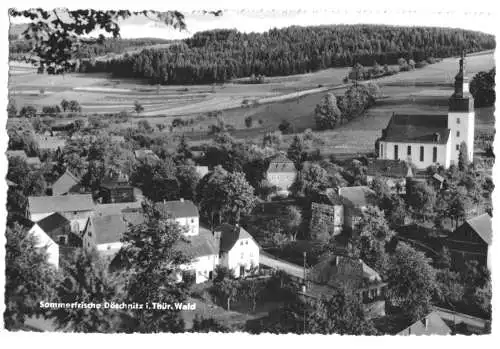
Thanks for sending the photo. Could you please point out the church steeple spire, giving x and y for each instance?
(460, 78)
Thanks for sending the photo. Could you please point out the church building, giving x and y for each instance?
(426, 140)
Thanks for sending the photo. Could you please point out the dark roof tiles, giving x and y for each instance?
(417, 128)
(229, 235)
(178, 209)
(281, 164)
(389, 168)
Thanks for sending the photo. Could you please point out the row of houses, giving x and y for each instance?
(76, 221)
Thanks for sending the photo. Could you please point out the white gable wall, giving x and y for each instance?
(43, 240)
(245, 252)
(282, 180)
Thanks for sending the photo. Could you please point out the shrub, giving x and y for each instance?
(248, 121)
(286, 127)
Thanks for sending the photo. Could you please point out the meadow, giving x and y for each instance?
(291, 98)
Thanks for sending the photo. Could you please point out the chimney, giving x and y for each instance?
(426, 323)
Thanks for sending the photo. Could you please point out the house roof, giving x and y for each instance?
(16, 153)
(11, 184)
(109, 228)
(33, 161)
(281, 164)
(203, 244)
(177, 209)
(336, 269)
(417, 128)
(482, 226)
(359, 196)
(49, 142)
(389, 168)
(230, 234)
(438, 177)
(117, 181)
(432, 324)
(52, 222)
(61, 203)
(146, 154)
(64, 183)
(117, 207)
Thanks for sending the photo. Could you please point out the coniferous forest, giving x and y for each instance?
(220, 55)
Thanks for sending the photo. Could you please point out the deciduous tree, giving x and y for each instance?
(327, 113)
(412, 281)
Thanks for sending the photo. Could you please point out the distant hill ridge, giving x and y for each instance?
(221, 55)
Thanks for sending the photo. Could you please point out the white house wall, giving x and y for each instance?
(43, 240)
(388, 153)
(191, 223)
(283, 180)
(202, 266)
(466, 129)
(246, 255)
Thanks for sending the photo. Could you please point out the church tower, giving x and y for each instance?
(461, 115)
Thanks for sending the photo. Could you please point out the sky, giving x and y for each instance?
(260, 20)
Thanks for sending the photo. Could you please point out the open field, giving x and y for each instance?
(292, 98)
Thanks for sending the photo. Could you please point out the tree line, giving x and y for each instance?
(220, 55)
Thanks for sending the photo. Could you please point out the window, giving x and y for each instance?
(381, 150)
(408, 150)
(192, 220)
(421, 153)
(396, 152)
(458, 133)
(62, 239)
(458, 120)
(434, 154)
(457, 147)
(241, 243)
(242, 255)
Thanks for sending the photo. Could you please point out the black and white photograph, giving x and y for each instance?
(217, 170)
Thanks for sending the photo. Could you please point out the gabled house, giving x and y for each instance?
(327, 214)
(393, 172)
(238, 251)
(116, 189)
(53, 233)
(33, 161)
(432, 324)
(103, 233)
(184, 212)
(344, 271)
(67, 183)
(50, 143)
(472, 240)
(76, 208)
(355, 200)
(203, 251)
(146, 155)
(281, 173)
